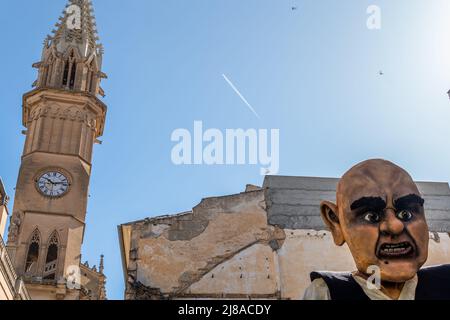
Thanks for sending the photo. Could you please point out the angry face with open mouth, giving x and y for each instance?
(380, 215)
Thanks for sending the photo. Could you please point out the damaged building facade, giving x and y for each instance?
(262, 243)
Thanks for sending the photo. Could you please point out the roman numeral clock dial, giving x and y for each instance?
(53, 184)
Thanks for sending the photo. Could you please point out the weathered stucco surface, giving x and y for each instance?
(252, 271)
(305, 251)
(172, 254)
(227, 248)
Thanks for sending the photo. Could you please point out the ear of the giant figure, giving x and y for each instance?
(330, 216)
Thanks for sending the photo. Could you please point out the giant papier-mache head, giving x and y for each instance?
(379, 213)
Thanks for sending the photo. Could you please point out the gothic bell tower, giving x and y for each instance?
(63, 117)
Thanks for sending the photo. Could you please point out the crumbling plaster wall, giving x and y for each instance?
(225, 248)
(173, 256)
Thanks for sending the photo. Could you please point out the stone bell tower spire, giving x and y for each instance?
(64, 117)
(77, 26)
(72, 56)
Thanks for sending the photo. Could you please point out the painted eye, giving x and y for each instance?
(372, 217)
(404, 215)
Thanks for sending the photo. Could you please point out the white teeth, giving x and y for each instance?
(396, 249)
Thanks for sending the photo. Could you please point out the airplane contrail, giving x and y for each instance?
(240, 95)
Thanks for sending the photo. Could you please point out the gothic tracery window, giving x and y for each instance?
(73, 75)
(33, 252)
(70, 71)
(66, 73)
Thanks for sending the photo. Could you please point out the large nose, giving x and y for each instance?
(391, 225)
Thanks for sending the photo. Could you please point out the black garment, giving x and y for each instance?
(433, 284)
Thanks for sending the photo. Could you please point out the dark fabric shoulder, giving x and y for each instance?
(442, 271)
(433, 283)
(342, 286)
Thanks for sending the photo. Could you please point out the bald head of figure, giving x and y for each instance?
(377, 177)
(379, 213)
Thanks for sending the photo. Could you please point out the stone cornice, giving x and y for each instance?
(59, 154)
(77, 98)
(57, 214)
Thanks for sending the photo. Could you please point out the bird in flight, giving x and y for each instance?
(381, 73)
(294, 8)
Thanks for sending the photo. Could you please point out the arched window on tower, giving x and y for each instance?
(33, 253)
(66, 73)
(51, 262)
(70, 71)
(73, 75)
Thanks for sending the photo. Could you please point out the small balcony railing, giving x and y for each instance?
(50, 268)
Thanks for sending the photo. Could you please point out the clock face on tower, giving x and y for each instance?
(53, 184)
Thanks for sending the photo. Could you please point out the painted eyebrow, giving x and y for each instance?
(368, 202)
(408, 200)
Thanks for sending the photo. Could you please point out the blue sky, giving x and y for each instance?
(313, 73)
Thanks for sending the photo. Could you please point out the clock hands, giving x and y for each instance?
(62, 182)
(55, 183)
(49, 181)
